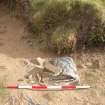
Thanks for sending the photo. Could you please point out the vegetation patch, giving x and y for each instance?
(66, 24)
(69, 24)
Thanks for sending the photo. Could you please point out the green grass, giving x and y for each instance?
(83, 17)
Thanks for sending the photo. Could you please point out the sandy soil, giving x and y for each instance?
(14, 47)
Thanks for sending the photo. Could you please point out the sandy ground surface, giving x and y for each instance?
(14, 48)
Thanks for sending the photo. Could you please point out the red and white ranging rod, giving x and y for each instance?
(69, 87)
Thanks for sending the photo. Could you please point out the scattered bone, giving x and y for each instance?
(45, 71)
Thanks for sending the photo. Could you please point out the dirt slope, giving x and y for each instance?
(14, 48)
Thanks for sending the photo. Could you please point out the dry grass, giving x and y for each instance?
(82, 17)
